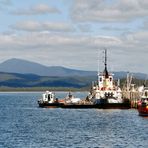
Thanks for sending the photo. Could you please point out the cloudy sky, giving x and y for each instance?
(73, 33)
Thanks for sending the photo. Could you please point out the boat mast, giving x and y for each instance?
(105, 63)
(98, 67)
(105, 59)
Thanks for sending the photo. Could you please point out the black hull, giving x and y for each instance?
(78, 106)
(98, 106)
(49, 105)
(143, 114)
(125, 105)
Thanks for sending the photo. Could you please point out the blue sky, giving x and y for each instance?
(72, 33)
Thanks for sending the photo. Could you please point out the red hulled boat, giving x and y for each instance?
(143, 103)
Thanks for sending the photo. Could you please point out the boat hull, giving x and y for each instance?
(143, 110)
(49, 105)
(143, 114)
(98, 106)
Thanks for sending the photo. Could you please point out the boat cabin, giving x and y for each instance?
(48, 97)
(145, 92)
(105, 83)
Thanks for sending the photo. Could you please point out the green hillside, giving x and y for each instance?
(14, 80)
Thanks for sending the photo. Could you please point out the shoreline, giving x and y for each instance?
(40, 89)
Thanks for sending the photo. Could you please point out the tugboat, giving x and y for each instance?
(49, 100)
(105, 93)
(143, 103)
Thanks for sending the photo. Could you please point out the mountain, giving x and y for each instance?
(21, 73)
(15, 80)
(27, 67)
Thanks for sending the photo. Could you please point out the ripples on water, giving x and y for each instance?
(24, 125)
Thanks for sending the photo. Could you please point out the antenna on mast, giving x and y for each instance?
(105, 64)
(98, 72)
(98, 63)
(105, 59)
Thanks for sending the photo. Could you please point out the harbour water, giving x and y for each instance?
(24, 125)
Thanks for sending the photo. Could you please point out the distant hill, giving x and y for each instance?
(27, 67)
(123, 74)
(15, 80)
(31, 80)
(17, 73)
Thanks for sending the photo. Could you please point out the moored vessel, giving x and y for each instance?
(49, 100)
(105, 93)
(143, 103)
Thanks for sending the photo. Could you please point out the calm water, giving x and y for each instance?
(24, 125)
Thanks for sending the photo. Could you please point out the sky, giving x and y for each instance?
(74, 33)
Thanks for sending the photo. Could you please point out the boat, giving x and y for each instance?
(71, 99)
(73, 102)
(104, 92)
(49, 100)
(143, 103)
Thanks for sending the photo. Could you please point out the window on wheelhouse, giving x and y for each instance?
(100, 79)
(49, 97)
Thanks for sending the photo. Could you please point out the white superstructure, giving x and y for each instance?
(48, 97)
(70, 99)
(105, 91)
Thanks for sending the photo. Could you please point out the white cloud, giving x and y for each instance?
(138, 40)
(84, 27)
(57, 43)
(43, 26)
(63, 41)
(117, 28)
(76, 51)
(145, 25)
(109, 11)
(74, 41)
(36, 10)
